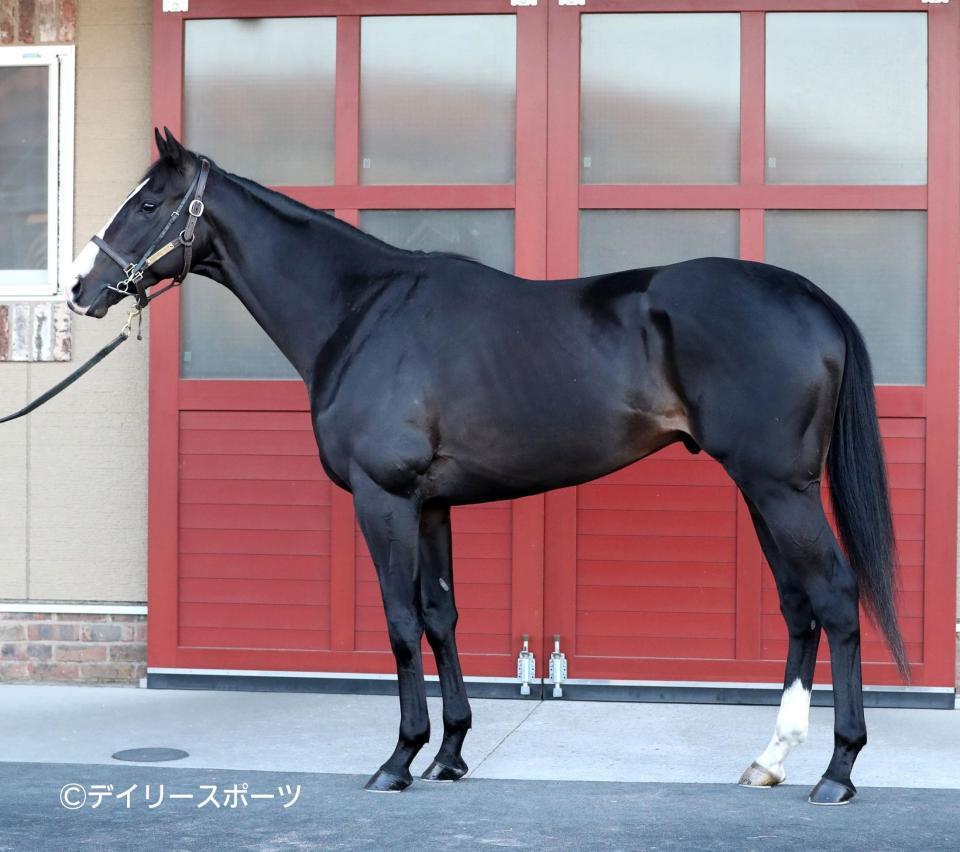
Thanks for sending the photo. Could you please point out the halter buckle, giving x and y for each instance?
(133, 274)
(196, 208)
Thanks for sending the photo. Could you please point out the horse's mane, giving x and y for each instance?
(293, 210)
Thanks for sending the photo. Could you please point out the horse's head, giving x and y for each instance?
(138, 229)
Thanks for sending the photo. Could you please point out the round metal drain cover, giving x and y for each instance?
(150, 755)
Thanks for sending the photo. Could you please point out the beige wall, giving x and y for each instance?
(73, 523)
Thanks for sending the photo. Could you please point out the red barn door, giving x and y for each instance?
(255, 558)
(820, 136)
(802, 135)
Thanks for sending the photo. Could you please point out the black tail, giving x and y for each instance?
(858, 485)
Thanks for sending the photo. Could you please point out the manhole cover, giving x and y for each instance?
(150, 755)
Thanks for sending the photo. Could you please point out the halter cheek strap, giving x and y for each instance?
(132, 284)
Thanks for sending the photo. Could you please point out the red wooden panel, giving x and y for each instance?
(207, 516)
(658, 548)
(679, 523)
(647, 599)
(710, 625)
(254, 637)
(609, 495)
(263, 542)
(261, 492)
(258, 442)
(294, 421)
(250, 467)
(226, 567)
(241, 616)
(623, 572)
(698, 647)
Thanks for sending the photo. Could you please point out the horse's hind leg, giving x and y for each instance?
(814, 563)
(440, 620)
(391, 527)
(804, 638)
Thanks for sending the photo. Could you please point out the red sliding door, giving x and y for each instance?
(797, 133)
(356, 108)
(555, 141)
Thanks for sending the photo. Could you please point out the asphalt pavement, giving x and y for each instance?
(281, 771)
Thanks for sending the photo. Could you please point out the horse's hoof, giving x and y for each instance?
(830, 792)
(438, 772)
(756, 775)
(383, 781)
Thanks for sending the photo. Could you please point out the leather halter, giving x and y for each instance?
(132, 285)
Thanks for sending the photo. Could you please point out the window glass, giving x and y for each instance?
(873, 262)
(258, 96)
(660, 98)
(24, 161)
(847, 98)
(220, 340)
(611, 240)
(438, 99)
(485, 235)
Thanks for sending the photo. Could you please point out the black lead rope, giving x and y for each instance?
(76, 374)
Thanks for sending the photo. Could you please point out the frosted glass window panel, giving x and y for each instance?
(220, 340)
(873, 262)
(258, 96)
(847, 98)
(438, 99)
(611, 240)
(660, 98)
(23, 172)
(484, 235)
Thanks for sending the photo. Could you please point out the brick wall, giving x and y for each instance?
(72, 647)
(38, 21)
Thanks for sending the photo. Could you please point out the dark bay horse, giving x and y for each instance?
(436, 381)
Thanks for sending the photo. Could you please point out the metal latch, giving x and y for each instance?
(526, 666)
(176, 5)
(558, 667)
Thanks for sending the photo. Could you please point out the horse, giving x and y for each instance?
(436, 381)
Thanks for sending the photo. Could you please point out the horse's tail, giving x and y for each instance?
(858, 486)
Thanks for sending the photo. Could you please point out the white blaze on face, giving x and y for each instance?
(88, 256)
(793, 721)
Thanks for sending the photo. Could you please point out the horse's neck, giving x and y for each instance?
(298, 273)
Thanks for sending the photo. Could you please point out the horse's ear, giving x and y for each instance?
(161, 142)
(174, 144)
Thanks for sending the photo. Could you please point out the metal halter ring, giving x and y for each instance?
(196, 208)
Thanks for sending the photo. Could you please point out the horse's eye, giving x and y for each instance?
(148, 206)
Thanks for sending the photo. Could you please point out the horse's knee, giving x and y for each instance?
(440, 624)
(405, 631)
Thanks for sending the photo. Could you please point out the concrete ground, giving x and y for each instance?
(543, 775)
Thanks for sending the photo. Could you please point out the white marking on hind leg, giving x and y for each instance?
(793, 721)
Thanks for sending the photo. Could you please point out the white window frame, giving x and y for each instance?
(59, 59)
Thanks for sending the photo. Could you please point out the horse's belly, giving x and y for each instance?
(499, 462)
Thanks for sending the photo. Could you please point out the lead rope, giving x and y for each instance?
(62, 385)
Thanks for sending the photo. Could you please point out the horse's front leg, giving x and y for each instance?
(391, 527)
(440, 620)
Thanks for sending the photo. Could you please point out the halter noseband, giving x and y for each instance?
(133, 283)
